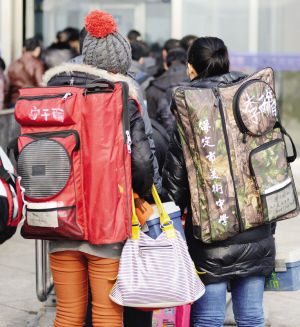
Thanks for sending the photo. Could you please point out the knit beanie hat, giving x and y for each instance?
(103, 46)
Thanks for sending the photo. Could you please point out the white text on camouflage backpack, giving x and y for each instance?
(237, 163)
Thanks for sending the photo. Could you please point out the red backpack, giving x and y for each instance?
(74, 160)
(11, 202)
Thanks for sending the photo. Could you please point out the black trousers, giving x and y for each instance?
(132, 317)
(137, 318)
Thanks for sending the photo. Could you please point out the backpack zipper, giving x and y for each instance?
(63, 134)
(64, 97)
(127, 142)
(218, 103)
(50, 209)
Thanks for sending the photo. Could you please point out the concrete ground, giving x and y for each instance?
(19, 306)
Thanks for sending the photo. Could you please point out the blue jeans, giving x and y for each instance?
(247, 300)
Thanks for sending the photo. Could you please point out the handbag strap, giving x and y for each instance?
(166, 223)
(135, 222)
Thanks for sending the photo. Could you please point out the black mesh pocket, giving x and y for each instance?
(44, 166)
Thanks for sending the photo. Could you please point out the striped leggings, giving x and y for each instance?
(71, 271)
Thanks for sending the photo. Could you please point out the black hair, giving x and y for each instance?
(2, 64)
(171, 44)
(82, 36)
(58, 35)
(187, 41)
(31, 44)
(176, 54)
(60, 46)
(156, 49)
(137, 50)
(146, 48)
(72, 34)
(134, 35)
(209, 57)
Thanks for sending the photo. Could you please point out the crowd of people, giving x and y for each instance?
(151, 66)
(240, 263)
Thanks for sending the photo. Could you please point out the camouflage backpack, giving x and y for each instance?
(236, 158)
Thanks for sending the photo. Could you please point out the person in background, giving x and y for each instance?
(137, 69)
(57, 53)
(70, 35)
(78, 59)
(161, 60)
(157, 99)
(161, 140)
(58, 37)
(3, 85)
(149, 60)
(240, 262)
(134, 36)
(106, 54)
(187, 41)
(26, 71)
(169, 45)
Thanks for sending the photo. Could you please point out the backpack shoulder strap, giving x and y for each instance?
(5, 175)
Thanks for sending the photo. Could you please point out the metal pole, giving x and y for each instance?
(44, 282)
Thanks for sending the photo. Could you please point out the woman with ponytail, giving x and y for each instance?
(239, 263)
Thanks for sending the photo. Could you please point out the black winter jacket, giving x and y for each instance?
(141, 154)
(161, 140)
(157, 98)
(251, 253)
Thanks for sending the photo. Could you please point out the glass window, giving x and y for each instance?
(150, 17)
(227, 20)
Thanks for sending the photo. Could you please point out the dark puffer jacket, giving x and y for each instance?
(250, 253)
(141, 155)
(157, 98)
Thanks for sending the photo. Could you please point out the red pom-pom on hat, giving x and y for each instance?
(100, 24)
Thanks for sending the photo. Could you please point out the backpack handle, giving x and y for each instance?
(98, 86)
(293, 157)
